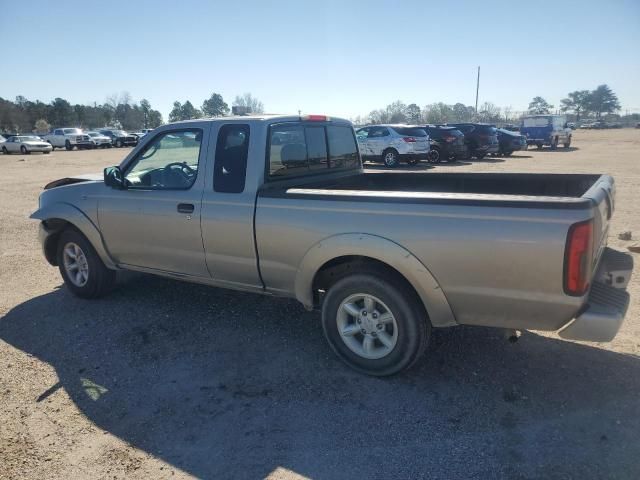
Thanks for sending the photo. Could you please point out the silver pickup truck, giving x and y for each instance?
(280, 205)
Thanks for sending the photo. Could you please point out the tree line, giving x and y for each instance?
(435, 113)
(23, 115)
(214, 106)
(601, 100)
(118, 111)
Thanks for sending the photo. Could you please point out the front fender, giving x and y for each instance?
(385, 251)
(77, 218)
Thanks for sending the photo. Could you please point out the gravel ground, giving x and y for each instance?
(169, 380)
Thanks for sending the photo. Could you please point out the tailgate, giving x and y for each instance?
(602, 195)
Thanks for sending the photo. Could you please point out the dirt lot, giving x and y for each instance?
(166, 380)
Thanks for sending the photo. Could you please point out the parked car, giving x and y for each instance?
(571, 125)
(392, 144)
(510, 142)
(99, 140)
(25, 144)
(386, 256)
(548, 130)
(68, 138)
(447, 143)
(138, 135)
(119, 138)
(481, 139)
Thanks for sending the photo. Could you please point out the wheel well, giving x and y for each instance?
(56, 226)
(340, 267)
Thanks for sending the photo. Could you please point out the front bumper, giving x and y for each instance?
(38, 148)
(607, 303)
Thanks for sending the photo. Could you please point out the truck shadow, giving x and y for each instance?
(557, 150)
(230, 385)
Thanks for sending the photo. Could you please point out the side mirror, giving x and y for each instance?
(113, 178)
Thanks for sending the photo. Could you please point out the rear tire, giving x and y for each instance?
(390, 158)
(413, 161)
(389, 337)
(5, 151)
(118, 144)
(554, 143)
(481, 156)
(89, 278)
(539, 145)
(508, 154)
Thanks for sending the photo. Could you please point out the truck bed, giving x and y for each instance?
(517, 189)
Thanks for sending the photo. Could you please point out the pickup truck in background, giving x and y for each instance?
(69, 138)
(280, 205)
(550, 130)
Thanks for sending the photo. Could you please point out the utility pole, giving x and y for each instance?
(477, 89)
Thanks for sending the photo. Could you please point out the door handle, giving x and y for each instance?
(186, 207)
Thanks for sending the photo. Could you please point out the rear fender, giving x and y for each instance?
(383, 250)
(77, 218)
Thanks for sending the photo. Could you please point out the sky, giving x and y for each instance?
(342, 58)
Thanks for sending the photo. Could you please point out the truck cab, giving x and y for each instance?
(69, 138)
(549, 130)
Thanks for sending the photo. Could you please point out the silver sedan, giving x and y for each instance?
(25, 144)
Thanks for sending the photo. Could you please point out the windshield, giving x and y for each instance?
(28, 137)
(410, 131)
(94, 134)
(72, 131)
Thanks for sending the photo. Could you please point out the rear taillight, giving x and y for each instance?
(409, 139)
(449, 139)
(578, 257)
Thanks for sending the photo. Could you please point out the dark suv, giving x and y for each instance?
(510, 141)
(120, 138)
(447, 143)
(481, 139)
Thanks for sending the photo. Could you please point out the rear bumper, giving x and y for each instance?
(607, 303)
(487, 148)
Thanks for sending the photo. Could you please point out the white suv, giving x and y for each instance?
(393, 143)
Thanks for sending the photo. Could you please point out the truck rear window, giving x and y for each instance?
(297, 149)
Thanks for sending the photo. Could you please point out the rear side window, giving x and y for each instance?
(232, 151)
(296, 149)
(410, 131)
(343, 152)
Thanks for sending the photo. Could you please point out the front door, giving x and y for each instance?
(155, 222)
(378, 140)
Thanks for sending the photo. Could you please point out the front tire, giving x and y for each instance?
(376, 326)
(554, 143)
(435, 156)
(390, 158)
(81, 268)
(24, 150)
(567, 144)
(118, 144)
(68, 146)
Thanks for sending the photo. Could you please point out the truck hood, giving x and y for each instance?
(91, 177)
